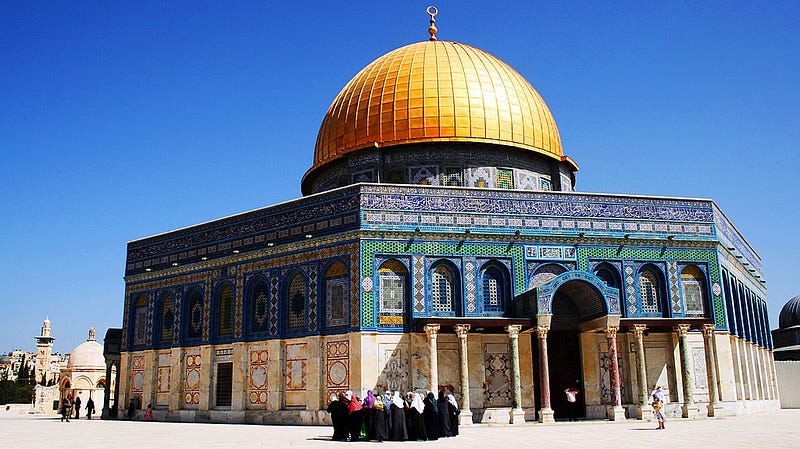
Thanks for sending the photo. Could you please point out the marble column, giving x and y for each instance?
(546, 411)
(688, 410)
(465, 418)
(517, 414)
(433, 332)
(106, 413)
(714, 405)
(615, 412)
(643, 410)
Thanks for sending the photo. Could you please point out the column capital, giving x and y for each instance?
(541, 330)
(432, 330)
(513, 330)
(461, 330)
(681, 329)
(611, 331)
(708, 330)
(638, 330)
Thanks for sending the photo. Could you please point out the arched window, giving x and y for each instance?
(258, 305)
(494, 289)
(608, 274)
(336, 296)
(444, 290)
(392, 281)
(296, 294)
(167, 318)
(140, 320)
(693, 284)
(194, 314)
(224, 311)
(649, 291)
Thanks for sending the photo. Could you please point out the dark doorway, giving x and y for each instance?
(564, 356)
(224, 384)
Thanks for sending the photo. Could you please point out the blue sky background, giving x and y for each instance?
(120, 120)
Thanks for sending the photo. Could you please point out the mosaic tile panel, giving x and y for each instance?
(424, 175)
(150, 313)
(238, 306)
(469, 284)
(273, 305)
(394, 365)
(674, 286)
(453, 177)
(497, 386)
(176, 336)
(258, 377)
(207, 310)
(526, 181)
(700, 370)
(505, 178)
(191, 378)
(418, 267)
(337, 366)
(163, 379)
(630, 287)
(296, 375)
(312, 298)
(606, 395)
(137, 376)
(707, 256)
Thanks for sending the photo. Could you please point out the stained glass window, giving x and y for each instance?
(259, 306)
(167, 318)
(194, 308)
(693, 284)
(225, 311)
(140, 321)
(648, 289)
(442, 290)
(297, 302)
(493, 290)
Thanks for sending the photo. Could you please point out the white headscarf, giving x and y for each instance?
(397, 400)
(348, 394)
(417, 402)
(452, 400)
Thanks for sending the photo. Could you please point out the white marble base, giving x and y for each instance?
(716, 410)
(546, 416)
(616, 413)
(517, 416)
(465, 418)
(645, 412)
(689, 411)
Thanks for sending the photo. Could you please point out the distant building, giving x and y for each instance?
(440, 245)
(85, 373)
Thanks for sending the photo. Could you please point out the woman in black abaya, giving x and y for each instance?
(398, 431)
(444, 416)
(431, 417)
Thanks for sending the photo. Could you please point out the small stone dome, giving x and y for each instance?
(87, 355)
(790, 313)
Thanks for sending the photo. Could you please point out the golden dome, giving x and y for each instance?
(437, 91)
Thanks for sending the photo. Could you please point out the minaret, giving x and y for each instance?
(44, 348)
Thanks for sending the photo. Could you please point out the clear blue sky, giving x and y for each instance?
(120, 120)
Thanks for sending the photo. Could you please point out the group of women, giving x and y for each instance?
(393, 417)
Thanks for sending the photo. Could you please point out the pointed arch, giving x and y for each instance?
(445, 289)
(694, 287)
(258, 313)
(608, 296)
(193, 314)
(139, 320)
(295, 288)
(224, 310)
(651, 291)
(166, 319)
(495, 288)
(337, 298)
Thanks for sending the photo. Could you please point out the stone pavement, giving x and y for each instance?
(773, 430)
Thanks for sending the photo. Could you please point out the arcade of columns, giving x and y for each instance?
(616, 412)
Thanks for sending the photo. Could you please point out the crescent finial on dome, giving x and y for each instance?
(433, 12)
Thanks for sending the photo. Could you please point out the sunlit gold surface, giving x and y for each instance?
(437, 91)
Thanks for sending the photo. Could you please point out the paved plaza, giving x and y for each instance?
(775, 430)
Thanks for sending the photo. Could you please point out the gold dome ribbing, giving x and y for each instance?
(437, 91)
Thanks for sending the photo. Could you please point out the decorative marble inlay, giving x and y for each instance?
(258, 390)
(296, 375)
(191, 378)
(497, 386)
(337, 370)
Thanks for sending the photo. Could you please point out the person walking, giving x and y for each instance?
(89, 408)
(66, 407)
(78, 406)
(572, 400)
(659, 398)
